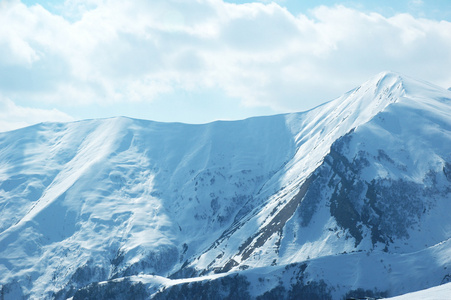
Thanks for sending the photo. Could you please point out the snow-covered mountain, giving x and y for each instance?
(351, 198)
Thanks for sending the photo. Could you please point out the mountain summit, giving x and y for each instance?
(349, 199)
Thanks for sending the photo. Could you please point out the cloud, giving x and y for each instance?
(126, 51)
(13, 116)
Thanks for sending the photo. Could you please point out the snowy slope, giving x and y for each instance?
(441, 292)
(126, 194)
(354, 194)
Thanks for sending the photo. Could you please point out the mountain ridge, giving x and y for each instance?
(119, 197)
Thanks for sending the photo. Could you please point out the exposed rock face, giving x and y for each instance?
(350, 199)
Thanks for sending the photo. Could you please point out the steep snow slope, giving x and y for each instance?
(354, 194)
(380, 118)
(120, 196)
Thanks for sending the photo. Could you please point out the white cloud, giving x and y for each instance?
(13, 116)
(122, 51)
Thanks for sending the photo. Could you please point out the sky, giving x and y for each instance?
(199, 61)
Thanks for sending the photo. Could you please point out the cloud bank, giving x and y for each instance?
(109, 51)
(14, 117)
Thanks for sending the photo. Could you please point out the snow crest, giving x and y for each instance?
(265, 204)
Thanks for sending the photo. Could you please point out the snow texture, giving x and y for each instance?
(349, 199)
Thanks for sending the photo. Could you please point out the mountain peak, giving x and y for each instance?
(347, 188)
(385, 80)
(388, 74)
(411, 87)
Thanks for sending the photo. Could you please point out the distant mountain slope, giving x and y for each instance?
(350, 198)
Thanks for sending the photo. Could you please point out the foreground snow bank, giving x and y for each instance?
(441, 292)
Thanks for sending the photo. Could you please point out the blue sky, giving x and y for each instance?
(205, 60)
(432, 9)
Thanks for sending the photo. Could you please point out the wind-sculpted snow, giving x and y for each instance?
(267, 207)
(133, 196)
